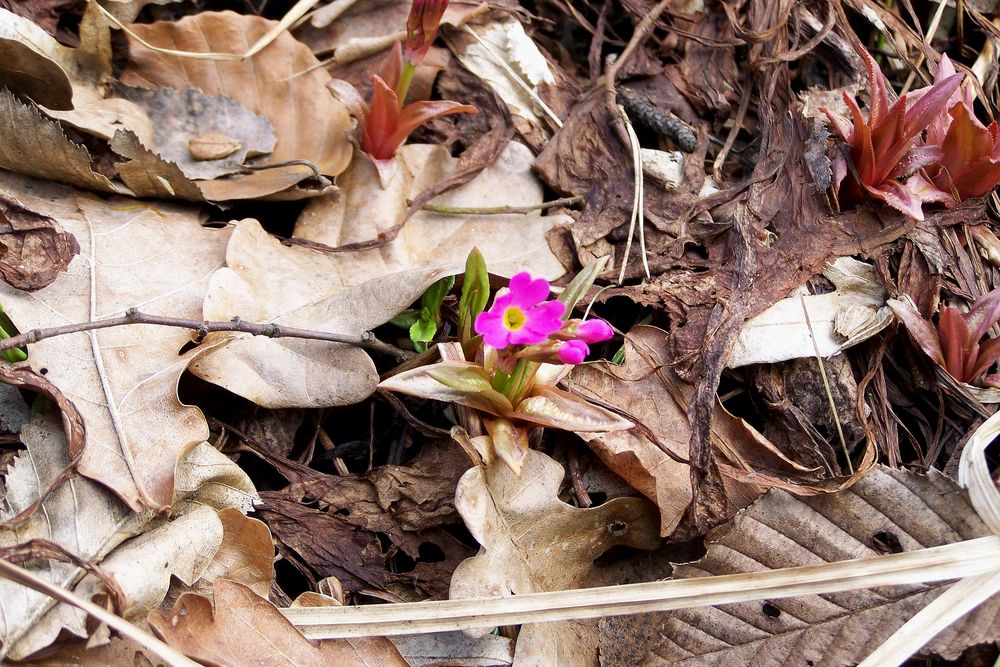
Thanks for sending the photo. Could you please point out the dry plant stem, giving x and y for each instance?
(500, 210)
(291, 17)
(366, 340)
(928, 36)
(962, 559)
(953, 604)
(826, 385)
(168, 654)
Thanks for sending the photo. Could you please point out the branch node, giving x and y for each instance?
(132, 313)
(272, 330)
(367, 337)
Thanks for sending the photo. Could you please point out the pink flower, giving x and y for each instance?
(573, 351)
(593, 331)
(520, 315)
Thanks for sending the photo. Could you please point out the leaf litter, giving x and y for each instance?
(798, 298)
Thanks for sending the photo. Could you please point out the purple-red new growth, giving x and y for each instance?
(388, 121)
(520, 315)
(957, 344)
(885, 148)
(421, 27)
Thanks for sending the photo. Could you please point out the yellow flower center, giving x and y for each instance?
(513, 318)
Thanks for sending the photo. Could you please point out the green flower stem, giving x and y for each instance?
(405, 78)
(524, 372)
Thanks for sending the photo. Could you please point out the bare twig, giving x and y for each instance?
(366, 340)
(501, 210)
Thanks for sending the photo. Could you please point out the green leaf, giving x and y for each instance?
(580, 284)
(475, 293)
(454, 382)
(406, 319)
(8, 329)
(422, 331)
(434, 297)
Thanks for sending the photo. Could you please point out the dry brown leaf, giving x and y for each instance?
(886, 511)
(181, 118)
(532, 542)
(333, 524)
(25, 69)
(510, 243)
(85, 518)
(246, 629)
(246, 554)
(36, 146)
(650, 394)
(308, 122)
(34, 249)
(147, 174)
(294, 286)
(124, 379)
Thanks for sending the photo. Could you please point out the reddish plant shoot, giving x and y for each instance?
(957, 342)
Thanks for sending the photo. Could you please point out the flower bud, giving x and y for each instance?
(421, 27)
(573, 352)
(594, 331)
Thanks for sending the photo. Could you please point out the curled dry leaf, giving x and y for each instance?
(308, 122)
(246, 629)
(510, 243)
(887, 511)
(532, 542)
(34, 249)
(85, 518)
(124, 379)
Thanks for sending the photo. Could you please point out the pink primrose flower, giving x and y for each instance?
(573, 352)
(521, 315)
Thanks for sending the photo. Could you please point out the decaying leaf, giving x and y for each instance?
(532, 542)
(650, 394)
(334, 524)
(124, 379)
(246, 629)
(886, 511)
(510, 243)
(34, 249)
(24, 67)
(308, 122)
(206, 136)
(852, 313)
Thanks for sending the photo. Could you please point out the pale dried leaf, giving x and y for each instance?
(88, 520)
(308, 122)
(532, 541)
(26, 69)
(782, 332)
(886, 510)
(147, 174)
(181, 118)
(295, 286)
(457, 649)
(510, 243)
(124, 379)
(246, 629)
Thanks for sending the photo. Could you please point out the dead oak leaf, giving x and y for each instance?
(246, 629)
(886, 511)
(533, 542)
(298, 287)
(123, 379)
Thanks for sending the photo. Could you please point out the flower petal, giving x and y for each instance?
(527, 292)
(489, 324)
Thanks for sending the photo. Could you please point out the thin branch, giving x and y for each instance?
(501, 210)
(366, 340)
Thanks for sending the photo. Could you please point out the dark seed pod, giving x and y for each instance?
(660, 121)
